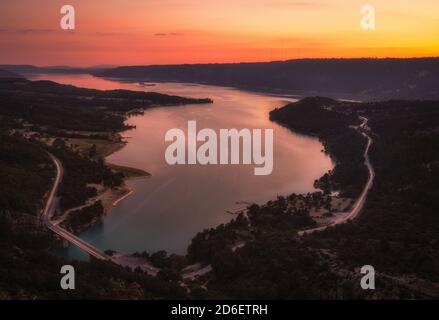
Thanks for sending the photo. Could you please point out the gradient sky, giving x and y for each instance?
(133, 32)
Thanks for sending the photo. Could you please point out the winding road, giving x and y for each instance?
(359, 203)
(48, 213)
(52, 204)
(50, 208)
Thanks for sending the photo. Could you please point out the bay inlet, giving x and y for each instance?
(168, 209)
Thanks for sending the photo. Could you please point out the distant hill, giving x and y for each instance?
(8, 74)
(366, 79)
(19, 68)
(30, 69)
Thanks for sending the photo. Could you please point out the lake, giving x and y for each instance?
(167, 210)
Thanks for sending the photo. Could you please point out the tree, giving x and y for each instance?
(59, 143)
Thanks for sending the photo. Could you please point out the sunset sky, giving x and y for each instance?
(133, 32)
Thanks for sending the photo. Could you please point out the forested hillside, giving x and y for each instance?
(259, 254)
(363, 79)
(36, 117)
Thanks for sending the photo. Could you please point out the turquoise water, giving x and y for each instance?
(168, 209)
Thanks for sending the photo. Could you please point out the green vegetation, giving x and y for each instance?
(32, 114)
(84, 123)
(256, 255)
(78, 220)
(79, 171)
(27, 269)
(25, 173)
(397, 232)
(46, 103)
(316, 116)
(8, 74)
(129, 172)
(411, 78)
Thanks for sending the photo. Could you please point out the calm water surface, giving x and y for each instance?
(168, 209)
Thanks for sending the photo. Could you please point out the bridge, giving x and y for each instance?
(50, 208)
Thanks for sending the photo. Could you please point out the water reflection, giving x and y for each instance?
(167, 210)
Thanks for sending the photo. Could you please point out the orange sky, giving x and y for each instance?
(131, 32)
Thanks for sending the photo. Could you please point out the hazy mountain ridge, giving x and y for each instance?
(367, 79)
(8, 74)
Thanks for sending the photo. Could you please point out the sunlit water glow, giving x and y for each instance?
(167, 210)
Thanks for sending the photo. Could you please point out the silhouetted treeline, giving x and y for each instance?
(28, 270)
(258, 254)
(399, 228)
(79, 219)
(361, 78)
(397, 232)
(47, 103)
(8, 74)
(317, 116)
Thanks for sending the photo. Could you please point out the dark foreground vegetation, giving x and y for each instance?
(8, 74)
(399, 228)
(258, 254)
(364, 79)
(318, 117)
(80, 219)
(28, 270)
(397, 232)
(36, 117)
(80, 171)
(46, 103)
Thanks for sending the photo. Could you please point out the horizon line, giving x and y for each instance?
(110, 65)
